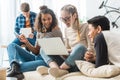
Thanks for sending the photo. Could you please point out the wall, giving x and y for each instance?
(92, 7)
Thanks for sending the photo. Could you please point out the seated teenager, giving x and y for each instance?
(22, 60)
(96, 26)
(77, 38)
(25, 20)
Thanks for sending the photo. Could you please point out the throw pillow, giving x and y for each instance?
(89, 69)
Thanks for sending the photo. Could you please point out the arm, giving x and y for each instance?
(34, 49)
(17, 28)
(101, 50)
(66, 41)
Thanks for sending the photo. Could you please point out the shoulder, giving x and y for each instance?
(20, 17)
(56, 32)
(56, 28)
(32, 13)
(83, 26)
(99, 38)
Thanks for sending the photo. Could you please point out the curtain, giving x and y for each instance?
(7, 18)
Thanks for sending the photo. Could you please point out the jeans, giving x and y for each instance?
(26, 60)
(17, 41)
(49, 58)
(76, 54)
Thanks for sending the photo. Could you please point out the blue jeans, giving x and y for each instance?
(26, 60)
(17, 41)
(76, 54)
(49, 58)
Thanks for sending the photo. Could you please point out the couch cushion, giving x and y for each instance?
(89, 69)
(34, 75)
(80, 76)
(113, 44)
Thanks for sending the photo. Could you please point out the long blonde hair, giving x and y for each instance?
(73, 10)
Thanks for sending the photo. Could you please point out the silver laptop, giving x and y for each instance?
(53, 46)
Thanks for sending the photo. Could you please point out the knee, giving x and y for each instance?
(11, 45)
(80, 47)
(41, 52)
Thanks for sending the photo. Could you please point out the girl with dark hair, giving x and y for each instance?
(76, 35)
(22, 60)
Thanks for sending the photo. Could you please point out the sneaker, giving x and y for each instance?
(19, 76)
(55, 72)
(8, 69)
(43, 70)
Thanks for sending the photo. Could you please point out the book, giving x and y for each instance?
(26, 31)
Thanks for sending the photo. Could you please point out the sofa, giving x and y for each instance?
(87, 71)
(34, 75)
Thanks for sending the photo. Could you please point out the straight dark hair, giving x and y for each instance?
(100, 21)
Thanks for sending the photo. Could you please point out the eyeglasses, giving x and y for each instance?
(65, 19)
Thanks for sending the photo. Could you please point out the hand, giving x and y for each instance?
(31, 35)
(22, 38)
(89, 56)
(69, 50)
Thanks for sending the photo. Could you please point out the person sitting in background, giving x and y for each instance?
(76, 35)
(22, 60)
(25, 20)
(97, 26)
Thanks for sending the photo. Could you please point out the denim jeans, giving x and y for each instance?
(76, 54)
(48, 58)
(27, 60)
(17, 41)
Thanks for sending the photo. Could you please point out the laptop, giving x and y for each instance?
(53, 46)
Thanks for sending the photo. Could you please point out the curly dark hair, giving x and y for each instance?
(38, 23)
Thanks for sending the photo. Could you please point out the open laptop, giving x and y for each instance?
(53, 46)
